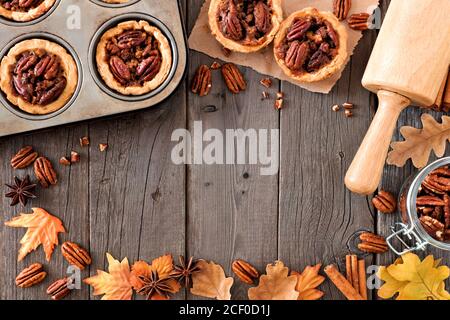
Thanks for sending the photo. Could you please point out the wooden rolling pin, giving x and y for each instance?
(408, 65)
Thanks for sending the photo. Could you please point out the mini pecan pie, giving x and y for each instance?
(311, 45)
(245, 25)
(24, 10)
(116, 1)
(38, 76)
(134, 58)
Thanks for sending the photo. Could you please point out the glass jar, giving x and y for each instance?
(410, 233)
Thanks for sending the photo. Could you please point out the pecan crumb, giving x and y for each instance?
(359, 21)
(74, 157)
(64, 161)
(336, 108)
(265, 95)
(279, 104)
(103, 146)
(215, 65)
(280, 95)
(348, 106)
(84, 141)
(348, 113)
(266, 82)
(227, 52)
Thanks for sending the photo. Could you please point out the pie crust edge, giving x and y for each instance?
(326, 71)
(67, 63)
(103, 66)
(277, 18)
(30, 15)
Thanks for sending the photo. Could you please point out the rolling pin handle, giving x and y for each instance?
(364, 174)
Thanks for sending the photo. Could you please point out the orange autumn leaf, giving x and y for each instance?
(43, 228)
(114, 284)
(211, 282)
(308, 281)
(163, 266)
(275, 285)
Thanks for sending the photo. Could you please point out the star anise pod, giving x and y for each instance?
(184, 271)
(21, 191)
(154, 285)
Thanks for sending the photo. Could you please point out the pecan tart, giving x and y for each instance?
(134, 58)
(245, 25)
(311, 45)
(38, 76)
(24, 10)
(116, 1)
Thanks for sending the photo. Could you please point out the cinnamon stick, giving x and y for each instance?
(355, 273)
(348, 267)
(341, 283)
(362, 278)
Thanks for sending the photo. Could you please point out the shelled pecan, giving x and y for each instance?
(233, 78)
(384, 202)
(341, 8)
(24, 158)
(372, 243)
(44, 172)
(202, 82)
(59, 289)
(245, 271)
(76, 255)
(359, 21)
(31, 276)
(433, 204)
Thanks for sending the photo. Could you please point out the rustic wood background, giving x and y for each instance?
(133, 202)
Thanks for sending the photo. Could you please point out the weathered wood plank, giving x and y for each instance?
(231, 208)
(317, 214)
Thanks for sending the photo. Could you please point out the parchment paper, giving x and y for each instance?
(203, 41)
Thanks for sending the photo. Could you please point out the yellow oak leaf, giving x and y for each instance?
(114, 284)
(162, 266)
(276, 284)
(210, 281)
(307, 283)
(413, 279)
(43, 228)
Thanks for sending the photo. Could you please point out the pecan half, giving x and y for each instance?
(233, 78)
(149, 67)
(385, 202)
(359, 21)
(202, 83)
(433, 227)
(262, 17)
(245, 271)
(131, 39)
(76, 255)
(44, 172)
(296, 55)
(372, 243)
(298, 30)
(231, 25)
(429, 201)
(31, 276)
(24, 158)
(119, 69)
(59, 289)
(341, 8)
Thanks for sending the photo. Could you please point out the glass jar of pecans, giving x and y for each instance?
(424, 203)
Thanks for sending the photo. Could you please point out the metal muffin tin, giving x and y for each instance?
(92, 98)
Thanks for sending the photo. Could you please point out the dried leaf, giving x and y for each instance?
(114, 285)
(210, 281)
(43, 228)
(413, 279)
(163, 266)
(307, 283)
(419, 143)
(275, 285)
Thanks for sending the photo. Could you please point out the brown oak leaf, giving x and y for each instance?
(307, 283)
(162, 266)
(419, 143)
(210, 281)
(275, 285)
(43, 228)
(114, 284)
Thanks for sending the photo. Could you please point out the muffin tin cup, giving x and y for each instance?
(13, 23)
(113, 23)
(93, 98)
(115, 5)
(50, 37)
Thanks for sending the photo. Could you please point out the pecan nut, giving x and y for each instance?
(202, 83)
(131, 39)
(119, 69)
(59, 289)
(359, 21)
(76, 255)
(372, 243)
(245, 271)
(341, 8)
(44, 172)
(433, 227)
(298, 29)
(233, 78)
(31, 276)
(296, 55)
(262, 17)
(429, 201)
(149, 67)
(24, 158)
(385, 202)
(231, 25)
